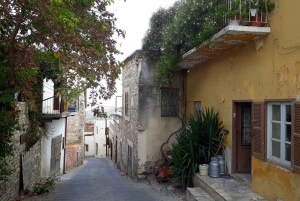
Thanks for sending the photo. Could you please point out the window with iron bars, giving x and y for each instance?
(169, 102)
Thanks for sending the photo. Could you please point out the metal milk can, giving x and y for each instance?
(214, 167)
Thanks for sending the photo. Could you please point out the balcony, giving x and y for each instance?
(53, 108)
(247, 25)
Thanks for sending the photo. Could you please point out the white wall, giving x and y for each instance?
(48, 92)
(100, 137)
(55, 128)
(90, 141)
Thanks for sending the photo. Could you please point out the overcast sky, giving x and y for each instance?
(133, 17)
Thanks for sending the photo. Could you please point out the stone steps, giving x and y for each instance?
(197, 194)
(221, 189)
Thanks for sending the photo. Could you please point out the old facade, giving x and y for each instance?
(75, 134)
(26, 164)
(149, 116)
(251, 76)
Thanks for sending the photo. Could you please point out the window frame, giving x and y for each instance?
(282, 140)
(170, 102)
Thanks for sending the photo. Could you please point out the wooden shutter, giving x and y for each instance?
(296, 138)
(258, 130)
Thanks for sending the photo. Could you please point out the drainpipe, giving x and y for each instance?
(184, 84)
(65, 148)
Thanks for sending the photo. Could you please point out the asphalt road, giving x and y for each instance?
(99, 179)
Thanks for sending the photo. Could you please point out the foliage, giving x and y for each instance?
(70, 42)
(43, 188)
(265, 5)
(153, 40)
(79, 34)
(235, 8)
(8, 124)
(176, 30)
(196, 144)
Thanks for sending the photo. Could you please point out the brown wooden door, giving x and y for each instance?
(243, 137)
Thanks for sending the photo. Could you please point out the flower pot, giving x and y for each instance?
(253, 12)
(235, 20)
(203, 169)
(255, 21)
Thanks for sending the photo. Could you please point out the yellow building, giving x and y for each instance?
(251, 76)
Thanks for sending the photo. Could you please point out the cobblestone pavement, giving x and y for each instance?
(99, 179)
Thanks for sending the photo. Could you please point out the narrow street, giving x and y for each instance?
(99, 179)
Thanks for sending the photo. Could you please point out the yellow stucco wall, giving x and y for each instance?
(272, 72)
(274, 182)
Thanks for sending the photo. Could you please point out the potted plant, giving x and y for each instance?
(233, 13)
(256, 10)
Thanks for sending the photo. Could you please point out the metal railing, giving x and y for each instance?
(52, 107)
(243, 12)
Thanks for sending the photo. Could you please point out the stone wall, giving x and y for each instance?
(75, 137)
(128, 135)
(144, 129)
(74, 155)
(10, 189)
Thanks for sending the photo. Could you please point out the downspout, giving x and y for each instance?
(65, 148)
(184, 84)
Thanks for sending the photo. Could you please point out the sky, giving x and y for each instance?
(133, 17)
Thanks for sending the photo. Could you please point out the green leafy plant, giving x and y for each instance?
(45, 187)
(196, 144)
(263, 5)
(235, 9)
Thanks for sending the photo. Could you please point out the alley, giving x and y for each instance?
(99, 179)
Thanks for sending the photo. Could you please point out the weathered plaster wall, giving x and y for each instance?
(272, 72)
(9, 190)
(274, 182)
(55, 128)
(154, 130)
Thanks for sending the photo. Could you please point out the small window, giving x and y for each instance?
(126, 104)
(86, 147)
(280, 132)
(169, 102)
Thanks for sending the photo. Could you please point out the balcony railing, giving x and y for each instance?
(244, 12)
(55, 107)
(241, 24)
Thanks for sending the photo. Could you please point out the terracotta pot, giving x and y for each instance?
(255, 21)
(235, 20)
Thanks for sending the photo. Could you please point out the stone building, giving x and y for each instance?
(75, 135)
(26, 164)
(149, 116)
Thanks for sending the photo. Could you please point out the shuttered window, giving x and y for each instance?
(258, 136)
(296, 138)
(279, 132)
(126, 104)
(169, 102)
(282, 133)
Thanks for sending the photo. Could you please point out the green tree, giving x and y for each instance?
(69, 41)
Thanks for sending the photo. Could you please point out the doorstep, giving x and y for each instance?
(222, 189)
